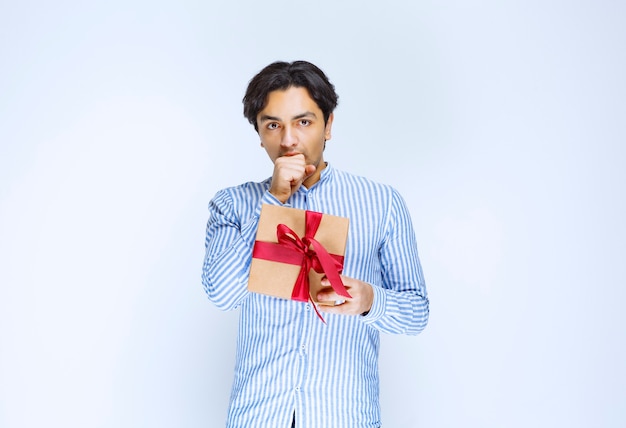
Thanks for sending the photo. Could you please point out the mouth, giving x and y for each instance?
(291, 153)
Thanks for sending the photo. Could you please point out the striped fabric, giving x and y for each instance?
(287, 359)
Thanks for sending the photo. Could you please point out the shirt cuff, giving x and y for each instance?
(269, 199)
(377, 310)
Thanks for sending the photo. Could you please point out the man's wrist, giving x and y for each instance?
(279, 196)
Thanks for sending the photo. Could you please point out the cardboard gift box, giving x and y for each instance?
(294, 250)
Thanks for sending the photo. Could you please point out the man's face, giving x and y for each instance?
(292, 123)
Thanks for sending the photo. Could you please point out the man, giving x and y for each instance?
(292, 369)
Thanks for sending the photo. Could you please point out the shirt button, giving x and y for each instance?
(308, 307)
(297, 388)
(303, 347)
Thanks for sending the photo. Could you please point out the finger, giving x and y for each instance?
(330, 303)
(294, 172)
(309, 170)
(329, 296)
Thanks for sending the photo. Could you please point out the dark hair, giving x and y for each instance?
(281, 75)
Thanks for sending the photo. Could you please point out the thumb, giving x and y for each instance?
(309, 169)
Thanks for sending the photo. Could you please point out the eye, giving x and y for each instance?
(304, 122)
(272, 125)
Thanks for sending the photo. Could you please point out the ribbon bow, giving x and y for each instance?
(306, 252)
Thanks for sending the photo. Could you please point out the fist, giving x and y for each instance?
(289, 173)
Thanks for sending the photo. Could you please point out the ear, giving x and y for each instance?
(329, 125)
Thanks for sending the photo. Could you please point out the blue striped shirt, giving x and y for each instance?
(288, 360)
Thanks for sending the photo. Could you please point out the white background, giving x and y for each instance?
(501, 123)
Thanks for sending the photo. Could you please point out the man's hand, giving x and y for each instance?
(361, 301)
(289, 174)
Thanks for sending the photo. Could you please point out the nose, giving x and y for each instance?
(289, 137)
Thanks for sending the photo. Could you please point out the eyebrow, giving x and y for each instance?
(265, 117)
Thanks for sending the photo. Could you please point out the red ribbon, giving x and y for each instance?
(306, 252)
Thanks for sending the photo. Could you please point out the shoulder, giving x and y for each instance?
(246, 190)
(365, 187)
(373, 198)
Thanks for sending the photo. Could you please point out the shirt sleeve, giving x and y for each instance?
(401, 302)
(229, 242)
